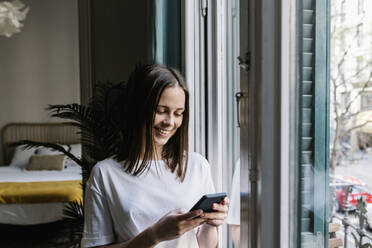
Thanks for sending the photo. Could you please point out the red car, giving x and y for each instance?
(356, 193)
(358, 190)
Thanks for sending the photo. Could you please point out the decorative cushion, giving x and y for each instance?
(75, 149)
(21, 156)
(46, 162)
(49, 151)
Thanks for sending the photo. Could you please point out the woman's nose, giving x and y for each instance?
(169, 120)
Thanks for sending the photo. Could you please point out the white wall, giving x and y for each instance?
(40, 65)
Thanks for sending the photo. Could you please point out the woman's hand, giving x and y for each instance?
(170, 226)
(174, 224)
(218, 217)
(208, 234)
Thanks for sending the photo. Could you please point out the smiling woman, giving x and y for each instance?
(152, 168)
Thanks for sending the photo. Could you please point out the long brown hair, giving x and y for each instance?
(143, 90)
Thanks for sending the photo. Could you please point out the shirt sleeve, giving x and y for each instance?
(98, 226)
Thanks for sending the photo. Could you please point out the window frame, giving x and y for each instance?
(269, 28)
(206, 48)
(193, 64)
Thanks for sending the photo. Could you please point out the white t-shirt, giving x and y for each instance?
(118, 206)
(233, 217)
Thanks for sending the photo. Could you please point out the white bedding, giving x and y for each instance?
(16, 174)
(34, 213)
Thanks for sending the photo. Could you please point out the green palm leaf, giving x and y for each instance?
(100, 127)
(54, 147)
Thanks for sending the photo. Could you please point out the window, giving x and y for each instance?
(366, 100)
(211, 33)
(232, 82)
(359, 65)
(360, 35)
(343, 12)
(345, 100)
(360, 7)
(311, 129)
(350, 134)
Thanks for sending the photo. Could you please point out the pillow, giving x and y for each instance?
(46, 162)
(49, 151)
(21, 156)
(75, 149)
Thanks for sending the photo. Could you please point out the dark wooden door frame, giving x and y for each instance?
(85, 50)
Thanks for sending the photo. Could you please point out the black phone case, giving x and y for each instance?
(205, 203)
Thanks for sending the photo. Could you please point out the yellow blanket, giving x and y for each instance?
(40, 192)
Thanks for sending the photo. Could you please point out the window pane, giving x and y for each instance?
(232, 129)
(351, 121)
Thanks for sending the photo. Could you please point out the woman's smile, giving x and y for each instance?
(163, 132)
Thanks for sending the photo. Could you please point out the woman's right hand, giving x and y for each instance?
(175, 223)
(170, 226)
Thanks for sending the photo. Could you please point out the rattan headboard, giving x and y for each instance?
(43, 132)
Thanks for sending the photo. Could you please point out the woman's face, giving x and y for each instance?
(168, 116)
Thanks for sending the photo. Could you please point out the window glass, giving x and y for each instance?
(366, 100)
(232, 96)
(351, 122)
(232, 125)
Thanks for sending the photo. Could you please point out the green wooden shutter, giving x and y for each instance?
(167, 47)
(314, 123)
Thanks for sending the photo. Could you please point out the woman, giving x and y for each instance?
(141, 197)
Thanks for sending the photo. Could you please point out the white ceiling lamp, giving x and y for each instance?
(11, 15)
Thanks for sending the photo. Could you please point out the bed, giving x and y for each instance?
(31, 194)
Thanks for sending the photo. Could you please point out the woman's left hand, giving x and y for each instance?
(218, 217)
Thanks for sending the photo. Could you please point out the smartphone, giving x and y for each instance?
(205, 203)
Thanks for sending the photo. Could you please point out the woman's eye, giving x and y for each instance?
(178, 114)
(160, 111)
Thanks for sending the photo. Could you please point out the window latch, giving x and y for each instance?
(204, 7)
(245, 61)
(238, 96)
